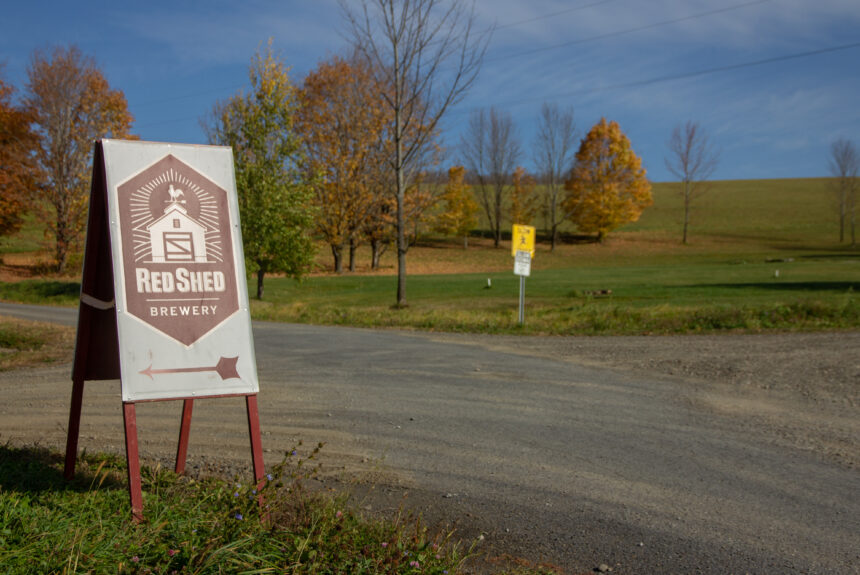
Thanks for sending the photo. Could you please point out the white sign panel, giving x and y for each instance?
(522, 263)
(181, 298)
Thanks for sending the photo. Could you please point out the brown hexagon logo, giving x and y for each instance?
(177, 250)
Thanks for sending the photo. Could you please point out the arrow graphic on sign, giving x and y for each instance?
(226, 368)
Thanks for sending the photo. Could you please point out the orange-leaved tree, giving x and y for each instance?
(460, 210)
(607, 187)
(72, 105)
(523, 198)
(343, 125)
(16, 163)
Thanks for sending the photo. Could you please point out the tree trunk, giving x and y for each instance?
(553, 234)
(352, 248)
(843, 201)
(260, 274)
(498, 231)
(337, 254)
(853, 222)
(401, 183)
(375, 252)
(686, 210)
(465, 241)
(62, 246)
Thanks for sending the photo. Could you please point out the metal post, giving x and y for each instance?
(522, 316)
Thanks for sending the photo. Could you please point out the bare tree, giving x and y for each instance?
(693, 159)
(844, 165)
(490, 151)
(554, 151)
(427, 54)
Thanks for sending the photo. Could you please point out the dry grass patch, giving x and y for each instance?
(26, 343)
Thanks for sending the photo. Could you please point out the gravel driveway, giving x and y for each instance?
(710, 454)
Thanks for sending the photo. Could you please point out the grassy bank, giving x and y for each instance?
(209, 526)
(24, 343)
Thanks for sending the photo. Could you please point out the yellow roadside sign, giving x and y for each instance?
(523, 239)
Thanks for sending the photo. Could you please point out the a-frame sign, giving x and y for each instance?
(164, 302)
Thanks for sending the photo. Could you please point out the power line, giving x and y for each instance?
(628, 30)
(551, 15)
(685, 75)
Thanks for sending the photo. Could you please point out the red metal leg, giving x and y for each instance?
(184, 430)
(135, 490)
(256, 441)
(256, 448)
(74, 428)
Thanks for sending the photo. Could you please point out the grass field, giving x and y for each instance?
(762, 256)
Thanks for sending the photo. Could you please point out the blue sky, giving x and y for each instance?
(648, 64)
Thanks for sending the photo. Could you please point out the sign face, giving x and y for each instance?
(182, 303)
(522, 263)
(179, 272)
(523, 239)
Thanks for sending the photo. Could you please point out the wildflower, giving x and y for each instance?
(294, 452)
(239, 516)
(172, 552)
(269, 476)
(414, 564)
(135, 559)
(384, 544)
(236, 494)
(339, 514)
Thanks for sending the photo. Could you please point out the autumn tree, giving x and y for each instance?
(554, 149)
(343, 128)
(691, 159)
(72, 105)
(427, 54)
(523, 198)
(16, 162)
(491, 149)
(459, 210)
(275, 201)
(844, 165)
(607, 187)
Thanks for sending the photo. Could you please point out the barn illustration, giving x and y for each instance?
(176, 237)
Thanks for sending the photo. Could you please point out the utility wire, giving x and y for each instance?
(551, 15)
(627, 31)
(685, 75)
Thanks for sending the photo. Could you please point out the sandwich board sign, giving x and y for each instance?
(164, 302)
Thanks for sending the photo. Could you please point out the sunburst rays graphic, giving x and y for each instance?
(142, 214)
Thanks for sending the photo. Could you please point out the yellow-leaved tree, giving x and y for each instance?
(460, 210)
(523, 197)
(607, 187)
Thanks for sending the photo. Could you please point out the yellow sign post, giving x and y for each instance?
(523, 250)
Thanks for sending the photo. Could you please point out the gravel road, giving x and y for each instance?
(700, 454)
